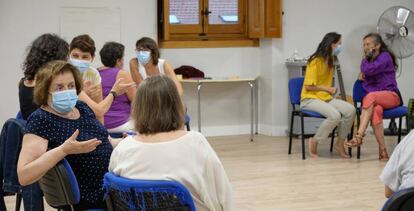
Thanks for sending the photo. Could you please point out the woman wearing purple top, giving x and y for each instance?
(379, 82)
(117, 118)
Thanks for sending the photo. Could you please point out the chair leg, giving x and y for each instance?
(18, 200)
(359, 152)
(302, 129)
(358, 123)
(291, 133)
(349, 138)
(399, 130)
(352, 131)
(332, 139)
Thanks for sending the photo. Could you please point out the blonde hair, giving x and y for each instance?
(158, 106)
(47, 73)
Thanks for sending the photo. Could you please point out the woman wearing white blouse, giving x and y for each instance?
(163, 150)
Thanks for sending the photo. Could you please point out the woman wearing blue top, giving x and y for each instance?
(64, 127)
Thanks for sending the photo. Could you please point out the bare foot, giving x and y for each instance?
(339, 147)
(313, 148)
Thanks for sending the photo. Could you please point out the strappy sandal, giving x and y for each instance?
(383, 155)
(357, 141)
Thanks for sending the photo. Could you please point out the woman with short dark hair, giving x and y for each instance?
(82, 53)
(164, 150)
(148, 63)
(117, 118)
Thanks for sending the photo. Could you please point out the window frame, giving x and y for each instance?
(228, 35)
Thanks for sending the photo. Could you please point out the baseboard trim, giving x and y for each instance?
(241, 130)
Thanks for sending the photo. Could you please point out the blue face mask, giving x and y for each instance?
(82, 65)
(143, 56)
(64, 101)
(337, 50)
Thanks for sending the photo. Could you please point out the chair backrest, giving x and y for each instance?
(19, 115)
(358, 93)
(187, 118)
(59, 186)
(130, 194)
(11, 138)
(402, 200)
(295, 90)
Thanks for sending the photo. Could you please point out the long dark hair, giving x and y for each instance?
(384, 48)
(45, 48)
(324, 49)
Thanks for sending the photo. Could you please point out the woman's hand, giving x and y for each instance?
(93, 91)
(361, 76)
(331, 90)
(120, 88)
(370, 54)
(72, 146)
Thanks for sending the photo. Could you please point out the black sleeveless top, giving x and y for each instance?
(27, 106)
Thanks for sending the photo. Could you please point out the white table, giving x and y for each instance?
(252, 82)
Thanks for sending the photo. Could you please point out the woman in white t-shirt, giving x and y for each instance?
(164, 150)
(398, 174)
(148, 63)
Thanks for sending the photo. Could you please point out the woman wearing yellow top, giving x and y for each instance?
(317, 95)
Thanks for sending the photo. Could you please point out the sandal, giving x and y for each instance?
(357, 141)
(383, 155)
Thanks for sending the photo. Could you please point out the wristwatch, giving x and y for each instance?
(113, 93)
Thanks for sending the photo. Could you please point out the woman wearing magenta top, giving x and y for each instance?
(117, 118)
(379, 82)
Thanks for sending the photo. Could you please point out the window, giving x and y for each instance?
(212, 23)
(202, 20)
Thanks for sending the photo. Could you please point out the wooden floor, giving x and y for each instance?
(265, 177)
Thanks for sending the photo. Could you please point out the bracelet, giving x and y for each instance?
(113, 94)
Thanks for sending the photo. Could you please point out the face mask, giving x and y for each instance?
(82, 65)
(143, 57)
(64, 101)
(337, 50)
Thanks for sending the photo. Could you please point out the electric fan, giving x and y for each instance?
(396, 27)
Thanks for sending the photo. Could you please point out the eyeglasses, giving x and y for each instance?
(141, 49)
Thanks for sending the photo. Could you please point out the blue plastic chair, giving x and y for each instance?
(295, 91)
(20, 124)
(397, 112)
(131, 194)
(60, 187)
(187, 122)
(116, 135)
(19, 115)
(402, 200)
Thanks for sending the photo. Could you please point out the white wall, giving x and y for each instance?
(21, 21)
(225, 108)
